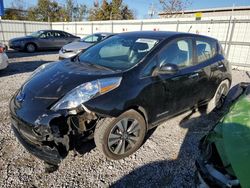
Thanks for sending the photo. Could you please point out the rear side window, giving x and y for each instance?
(66, 34)
(58, 35)
(205, 49)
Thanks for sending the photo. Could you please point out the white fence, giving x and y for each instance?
(12, 28)
(234, 34)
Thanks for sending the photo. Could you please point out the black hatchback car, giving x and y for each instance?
(116, 91)
(42, 40)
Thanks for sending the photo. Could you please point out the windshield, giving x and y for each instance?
(118, 52)
(36, 34)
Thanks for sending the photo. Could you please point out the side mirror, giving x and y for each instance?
(168, 69)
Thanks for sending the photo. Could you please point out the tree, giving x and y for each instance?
(69, 9)
(46, 10)
(115, 10)
(75, 12)
(100, 13)
(127, 14)
(173, 6)
(16, 11)
(79, 12)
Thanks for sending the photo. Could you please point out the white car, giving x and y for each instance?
(4, 60)
(72, 49)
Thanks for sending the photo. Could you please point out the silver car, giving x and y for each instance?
(72, 49)
(4, 61)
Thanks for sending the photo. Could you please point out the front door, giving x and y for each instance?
(180, 88)
(174, 93)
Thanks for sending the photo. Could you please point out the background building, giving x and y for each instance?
(241, 12)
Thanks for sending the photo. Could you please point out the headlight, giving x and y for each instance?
(78, 51)
(63, 50)
(85, 92)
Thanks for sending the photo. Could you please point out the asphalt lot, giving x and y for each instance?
(166, 159)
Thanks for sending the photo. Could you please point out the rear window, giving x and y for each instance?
(206, 49)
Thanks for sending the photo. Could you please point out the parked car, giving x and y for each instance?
(70, 50)
(42, 40)
(225, 152)
(115, 91)
(4, 61)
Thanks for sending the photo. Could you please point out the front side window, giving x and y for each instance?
(47, 34)
(118, 52)
(178, 52)
(205, 50)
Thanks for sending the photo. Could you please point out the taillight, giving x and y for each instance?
(2, 49)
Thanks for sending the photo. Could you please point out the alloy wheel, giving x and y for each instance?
(123, 136)
(220, 95)
(31, 48)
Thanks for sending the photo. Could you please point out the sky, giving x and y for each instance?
(141, 6)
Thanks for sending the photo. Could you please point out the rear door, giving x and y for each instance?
(210, 66)
(46, 40)
(60, 39)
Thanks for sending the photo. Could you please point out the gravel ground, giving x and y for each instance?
(166, 159)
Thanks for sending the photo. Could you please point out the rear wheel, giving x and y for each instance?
(119, 137)
(219, 98)
(30, 48)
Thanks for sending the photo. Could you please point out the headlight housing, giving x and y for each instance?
(85, 92)
(78, 51)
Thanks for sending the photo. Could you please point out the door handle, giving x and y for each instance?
(194, 75)
(220, 66)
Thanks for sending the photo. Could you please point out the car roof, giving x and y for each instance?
(103, 33)
(52, 30)
(161, 34)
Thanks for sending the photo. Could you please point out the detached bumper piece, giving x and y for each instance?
(45, 153)
(209, 176)
(224, 151)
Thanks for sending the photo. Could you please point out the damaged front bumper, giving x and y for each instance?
(51, 135)
(45, 153)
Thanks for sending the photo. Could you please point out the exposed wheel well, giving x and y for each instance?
(141, 111)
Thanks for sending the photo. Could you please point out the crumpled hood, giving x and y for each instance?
(75, 46)
(46, 87)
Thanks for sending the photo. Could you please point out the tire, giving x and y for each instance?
(219, 97)
(108, 130)
(30, 47)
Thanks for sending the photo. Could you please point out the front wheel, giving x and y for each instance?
(119, 137)
(30, 48)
